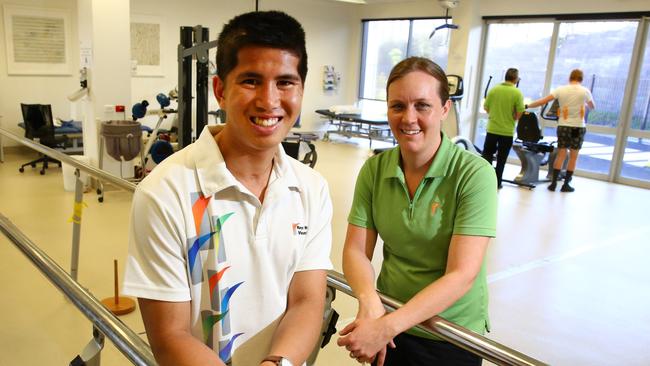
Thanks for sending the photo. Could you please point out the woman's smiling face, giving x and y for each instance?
(415, 112)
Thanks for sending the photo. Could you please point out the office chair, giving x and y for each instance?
(40, 126)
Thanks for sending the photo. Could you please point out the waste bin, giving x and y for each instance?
(68, 173)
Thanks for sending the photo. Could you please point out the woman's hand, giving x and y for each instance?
(371, 307)
(366, 338)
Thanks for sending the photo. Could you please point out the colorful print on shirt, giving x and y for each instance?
(207, 263)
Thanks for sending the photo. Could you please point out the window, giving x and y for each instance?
(387, 42)
(524, 46)
(605, 67)
(546, 50)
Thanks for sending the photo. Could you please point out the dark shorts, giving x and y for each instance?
(570, 137)
(417, 351)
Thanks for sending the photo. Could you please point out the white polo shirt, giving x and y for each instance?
(197, 234)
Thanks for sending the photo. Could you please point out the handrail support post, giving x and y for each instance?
(76, 224)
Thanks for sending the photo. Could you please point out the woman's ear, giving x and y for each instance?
(445, 108)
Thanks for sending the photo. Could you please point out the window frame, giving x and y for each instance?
(364, 42)
(622, 131)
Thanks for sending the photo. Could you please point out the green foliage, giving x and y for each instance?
(396, 55)
(603, 118)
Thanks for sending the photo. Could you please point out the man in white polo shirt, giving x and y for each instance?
(230, 237)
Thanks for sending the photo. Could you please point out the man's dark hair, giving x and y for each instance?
(512, 75)
(273, 29)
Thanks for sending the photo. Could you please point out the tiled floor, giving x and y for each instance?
(569, 283)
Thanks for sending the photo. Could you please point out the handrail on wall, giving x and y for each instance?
(473, 342)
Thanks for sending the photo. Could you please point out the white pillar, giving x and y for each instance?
(464, 48)
(105, 47)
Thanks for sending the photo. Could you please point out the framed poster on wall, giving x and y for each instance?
(38, 40)
(146, 35)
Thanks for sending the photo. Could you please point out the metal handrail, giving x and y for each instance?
(128, 342)
(473, 342)
(114, 180)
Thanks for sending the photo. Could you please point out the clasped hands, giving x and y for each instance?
(367, 336)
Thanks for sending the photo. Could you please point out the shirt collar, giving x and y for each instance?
(438, 168)
(212, 173)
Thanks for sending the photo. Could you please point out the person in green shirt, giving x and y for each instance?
(434, 206)
(504, 104)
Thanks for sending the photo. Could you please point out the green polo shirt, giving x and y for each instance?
(501, 102)
(456, 196)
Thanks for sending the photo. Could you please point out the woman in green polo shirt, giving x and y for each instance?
(434, 206)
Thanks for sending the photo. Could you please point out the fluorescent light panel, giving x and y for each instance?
(352, 1)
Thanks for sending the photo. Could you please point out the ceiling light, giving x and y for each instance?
(352, 1)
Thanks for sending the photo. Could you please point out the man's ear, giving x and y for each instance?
(218, 87)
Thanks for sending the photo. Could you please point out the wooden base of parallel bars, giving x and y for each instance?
(118, 305)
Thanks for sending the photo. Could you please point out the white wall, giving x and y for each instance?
(330, 27)
(16, 89)
(333, 38)
(210, 14)
(327, 25)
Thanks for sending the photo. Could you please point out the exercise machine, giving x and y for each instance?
(123, 139)
(456, 91)
(531, 150)
(194, 45)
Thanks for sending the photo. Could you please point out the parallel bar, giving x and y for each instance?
(473, 342)
(114, 180)
(129, 343)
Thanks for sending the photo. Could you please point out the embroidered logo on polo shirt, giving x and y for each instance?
(299, 229)
(434, 206)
